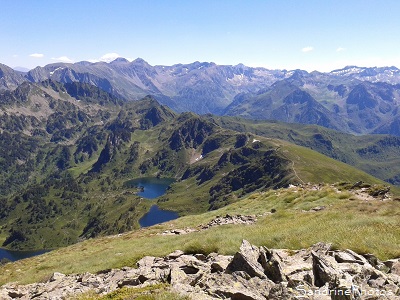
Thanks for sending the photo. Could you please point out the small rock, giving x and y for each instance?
(321, 248)
(395, 268)
(175, 254)
(57, 276)
(220, 263)
(177, 276)
(348, 257)
(146, 261)
(318, 208)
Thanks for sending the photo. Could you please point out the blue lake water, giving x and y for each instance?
(156, 215)
(152, 187)
(16, 255)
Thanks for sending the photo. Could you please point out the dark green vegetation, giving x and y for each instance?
(69, 148)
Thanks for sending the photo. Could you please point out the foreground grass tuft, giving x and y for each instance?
(153, 292)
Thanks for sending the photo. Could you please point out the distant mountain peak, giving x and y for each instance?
(120, 60)
(21, 69)
(348, 70)
(9, 78)
(297, 74)
(139, 61)
(84, 63)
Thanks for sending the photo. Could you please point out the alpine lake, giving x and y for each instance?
(149, 188)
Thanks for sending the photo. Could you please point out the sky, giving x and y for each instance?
(311, 35)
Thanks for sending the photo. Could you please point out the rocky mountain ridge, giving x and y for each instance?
(9, 78)
(253, 273)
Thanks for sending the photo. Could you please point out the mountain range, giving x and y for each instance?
(68, 150)
(354, 99)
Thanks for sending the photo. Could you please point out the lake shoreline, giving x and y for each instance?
(14, 255)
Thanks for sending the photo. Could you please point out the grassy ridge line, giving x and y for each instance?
(312, 166)
(349, 222)
(374, 154)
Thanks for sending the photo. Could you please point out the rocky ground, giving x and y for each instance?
(218, 221)
(318, 272)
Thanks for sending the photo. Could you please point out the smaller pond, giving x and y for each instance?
(16, 255)
(156, 215)
(151, 187)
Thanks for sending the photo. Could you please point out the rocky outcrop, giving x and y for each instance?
(253, 273)
(217, 221)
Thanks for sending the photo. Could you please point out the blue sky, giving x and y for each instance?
(307, 34)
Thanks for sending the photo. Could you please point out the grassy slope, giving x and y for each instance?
(380, 160)
(347, 221)
(312, 166)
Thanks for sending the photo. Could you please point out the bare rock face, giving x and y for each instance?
(272, 265)
(247, 260)
(325, 269)
(253, 273)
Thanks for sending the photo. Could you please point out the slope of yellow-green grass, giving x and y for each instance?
(312, 166)
(371, 226)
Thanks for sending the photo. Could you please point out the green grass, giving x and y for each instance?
(83, 167)
(153, 292)
(364, 226)
(302, 158)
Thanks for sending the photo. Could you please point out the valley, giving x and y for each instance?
(104, 177)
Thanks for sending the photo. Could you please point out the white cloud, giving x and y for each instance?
(36, 55)
(108, 57)
(340, 49)
(15, 55)
(307, 49)
(64, 59)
